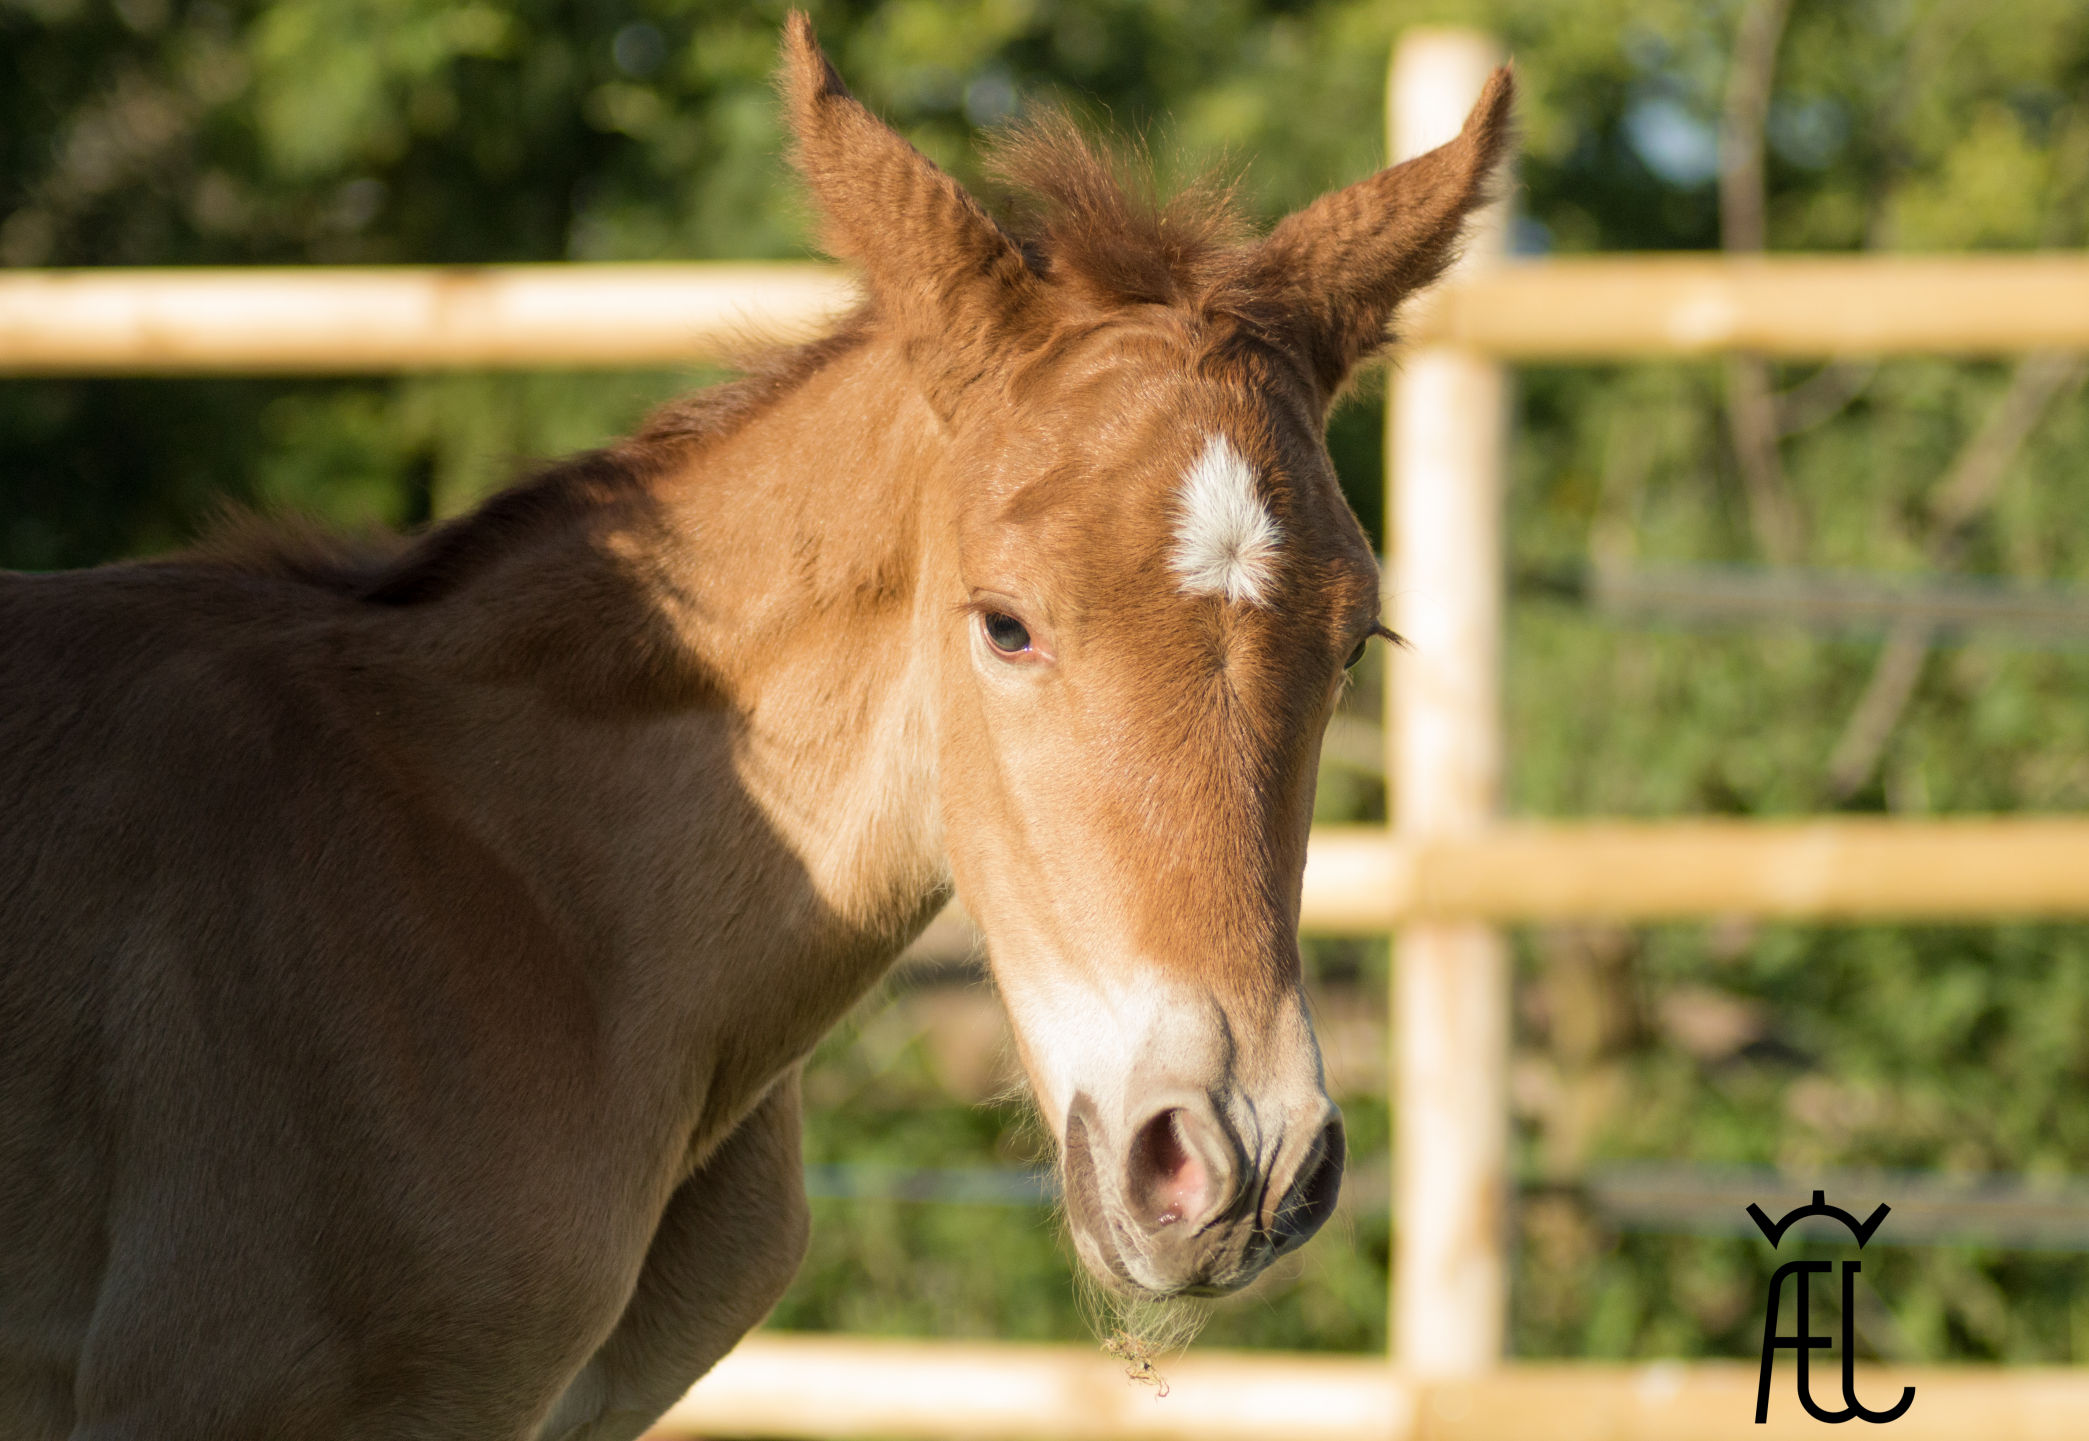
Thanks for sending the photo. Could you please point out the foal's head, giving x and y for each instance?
(1145, 586)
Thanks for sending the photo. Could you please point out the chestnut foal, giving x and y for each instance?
(405, 958)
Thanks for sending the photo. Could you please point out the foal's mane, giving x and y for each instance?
(387, 569)
(1086, 218)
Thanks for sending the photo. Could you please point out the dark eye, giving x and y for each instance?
(1357, 654)
(1005, 633)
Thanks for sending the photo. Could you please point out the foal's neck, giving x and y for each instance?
(804, 540)
(755, 841)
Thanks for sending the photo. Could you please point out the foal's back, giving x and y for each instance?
(249, 1020)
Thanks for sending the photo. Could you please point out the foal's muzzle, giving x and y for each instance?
(1181, 1206)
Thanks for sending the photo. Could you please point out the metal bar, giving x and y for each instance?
(2012, 1213)
(2028, 1213)
(1955, 608)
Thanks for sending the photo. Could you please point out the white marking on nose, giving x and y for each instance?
(1225, 537)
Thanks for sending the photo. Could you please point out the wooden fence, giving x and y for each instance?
(1441, 879)
(318, 321)
(847, 1387)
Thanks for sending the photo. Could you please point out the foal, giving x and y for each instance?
(405, 959)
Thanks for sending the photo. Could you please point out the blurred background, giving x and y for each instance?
(1660, 1073)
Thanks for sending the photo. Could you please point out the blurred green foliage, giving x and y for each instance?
(359, 131)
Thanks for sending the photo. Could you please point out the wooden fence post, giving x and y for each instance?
(1445, 420)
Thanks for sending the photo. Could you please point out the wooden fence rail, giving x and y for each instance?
(1365, 881)
(1616, 307)
(332, 321)
(392, 318)
(847, 1387)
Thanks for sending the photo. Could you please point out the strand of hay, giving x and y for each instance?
(1140, 1333)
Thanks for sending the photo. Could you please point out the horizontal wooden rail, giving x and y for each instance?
(327, 321)
(1616, 307)
(1362, 881)
(778, 1385)
(340, 321)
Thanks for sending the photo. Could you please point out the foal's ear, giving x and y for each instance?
(939, 268)
(1339, 267)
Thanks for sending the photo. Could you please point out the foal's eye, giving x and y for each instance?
(1356, 655)
(1005, 633)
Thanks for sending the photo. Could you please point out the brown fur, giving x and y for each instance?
(1094, 229)
(406, 950)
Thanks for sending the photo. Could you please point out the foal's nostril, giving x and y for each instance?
(1173, 1175)
(1313, 1191)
